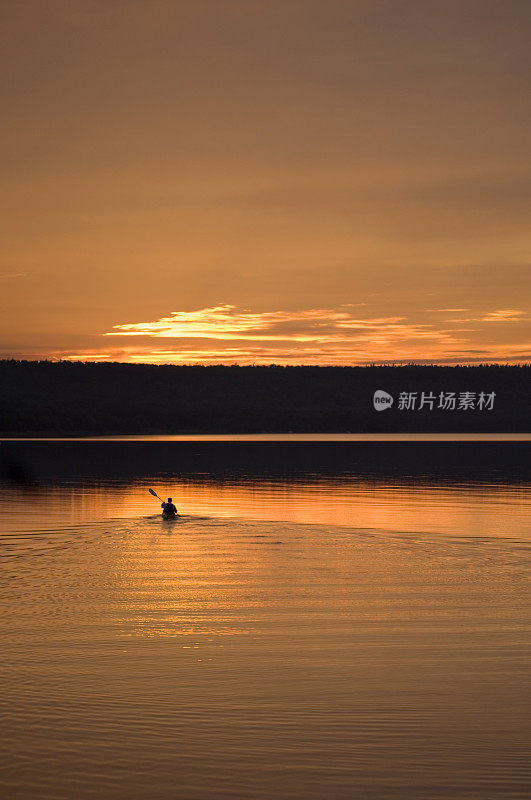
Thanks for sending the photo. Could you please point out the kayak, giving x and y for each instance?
(169, 516)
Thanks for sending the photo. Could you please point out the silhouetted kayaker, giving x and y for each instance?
(168, 509)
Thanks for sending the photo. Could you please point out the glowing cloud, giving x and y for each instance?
(503, 315)
(224, 322)
(506, 315)
(224, 334)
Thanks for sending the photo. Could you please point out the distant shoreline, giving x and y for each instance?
(47, 399)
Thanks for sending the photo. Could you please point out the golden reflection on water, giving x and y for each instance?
(247, 650)
(459, 510)
(293, 635)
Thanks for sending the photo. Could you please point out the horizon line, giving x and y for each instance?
(497, 363)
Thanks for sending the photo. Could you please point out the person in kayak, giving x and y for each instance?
(168, 509)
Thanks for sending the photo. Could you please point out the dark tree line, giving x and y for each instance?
(90, 398)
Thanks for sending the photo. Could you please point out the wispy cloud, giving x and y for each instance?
(502, 315)
(320, 325)
(226, 334)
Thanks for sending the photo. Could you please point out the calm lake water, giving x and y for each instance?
(327, 619)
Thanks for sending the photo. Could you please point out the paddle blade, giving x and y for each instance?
(154, 493)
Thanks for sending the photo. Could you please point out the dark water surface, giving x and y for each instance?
(326, 620)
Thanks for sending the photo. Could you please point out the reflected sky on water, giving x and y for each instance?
(451, 487)
(326, 620)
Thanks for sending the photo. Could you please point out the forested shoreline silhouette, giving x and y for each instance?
(88, 398)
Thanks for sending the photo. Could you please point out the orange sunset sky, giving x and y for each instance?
(252, 181)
